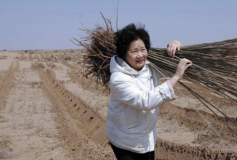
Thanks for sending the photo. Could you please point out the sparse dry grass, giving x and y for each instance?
(41, 65)
(20, 107)
(48, 133)
(50, 64)
(37, 65)
(28, 123)
(5, 150)
(12, 107)
(24, 58)
(39, 129)
(35, 83)
(3, 57)
(48, 58)
(2, 119)
(170, 125)
(15, 124)
(208, 138)
(207, 134)
(62, 81)
(33, 108)
(6, 153)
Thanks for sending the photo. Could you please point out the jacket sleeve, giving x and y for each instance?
(124, 89)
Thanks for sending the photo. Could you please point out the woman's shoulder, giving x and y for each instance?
(120, 77)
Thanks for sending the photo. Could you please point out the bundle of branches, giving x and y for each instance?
(100, 46)
(212, 68)
(223, 56)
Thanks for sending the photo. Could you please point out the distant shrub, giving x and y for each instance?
(4, 50)
(48, 58)
(41, 65)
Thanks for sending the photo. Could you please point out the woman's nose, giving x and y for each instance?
(139, 54)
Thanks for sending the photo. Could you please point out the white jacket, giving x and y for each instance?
(134, 104)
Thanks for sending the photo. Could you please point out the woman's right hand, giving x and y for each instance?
(182, 66)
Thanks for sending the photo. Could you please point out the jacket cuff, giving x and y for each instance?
(173, 96)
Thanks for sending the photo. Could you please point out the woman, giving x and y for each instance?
(136, 95)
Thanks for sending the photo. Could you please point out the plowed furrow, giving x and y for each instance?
(191, 119)
(80, 123)
(7, 80)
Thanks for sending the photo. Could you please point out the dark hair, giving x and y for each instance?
(127, 35)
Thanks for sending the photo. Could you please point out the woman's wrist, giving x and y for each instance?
(174, 80)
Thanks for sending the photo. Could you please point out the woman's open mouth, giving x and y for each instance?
(140, 61)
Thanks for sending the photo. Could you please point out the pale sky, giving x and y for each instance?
(49, 24)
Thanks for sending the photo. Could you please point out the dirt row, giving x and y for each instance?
(27, 129)
(82, 130)
(6, 80)
(189, 118)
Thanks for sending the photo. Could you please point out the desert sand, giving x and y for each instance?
(49, 110)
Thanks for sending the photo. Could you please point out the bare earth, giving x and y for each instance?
(48, 110)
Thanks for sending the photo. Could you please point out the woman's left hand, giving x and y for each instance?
(172, 47)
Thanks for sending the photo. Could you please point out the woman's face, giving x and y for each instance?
(136, 54)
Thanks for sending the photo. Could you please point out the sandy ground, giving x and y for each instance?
(48, 110)
(27, 121)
